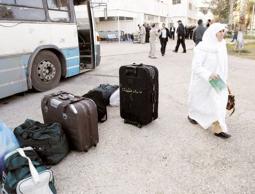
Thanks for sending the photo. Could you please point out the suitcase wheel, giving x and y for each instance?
(139, 125)
(95, 144)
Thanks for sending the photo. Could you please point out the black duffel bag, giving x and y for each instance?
(106, 90)
(98, 98)
(101, 96)
(48, 140)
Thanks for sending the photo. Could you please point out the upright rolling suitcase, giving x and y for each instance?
(138, 94)
(77, 115)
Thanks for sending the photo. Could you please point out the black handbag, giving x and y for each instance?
(231, 102)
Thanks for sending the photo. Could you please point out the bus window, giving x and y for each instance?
(29, 3)
(22, 13)
(5, 12)
(7, 1)
(58, 10)
(82, 17)
(58, 5)
(22, 10)
(86, 45)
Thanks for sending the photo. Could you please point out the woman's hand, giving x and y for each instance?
(214, 76)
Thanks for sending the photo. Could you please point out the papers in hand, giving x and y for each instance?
(218, 84)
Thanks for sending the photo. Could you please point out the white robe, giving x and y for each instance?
(153, 39)
(206, 105)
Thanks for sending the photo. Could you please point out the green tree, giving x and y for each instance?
(220, 10)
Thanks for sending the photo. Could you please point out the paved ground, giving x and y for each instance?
(169, 156)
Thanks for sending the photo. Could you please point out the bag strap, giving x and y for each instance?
(229, 91)
(33, 171)
(105, 117)
(232, 111)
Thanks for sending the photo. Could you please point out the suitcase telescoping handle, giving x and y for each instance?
(137, 65)
(70, 101)
(132, 69)
(67, 99)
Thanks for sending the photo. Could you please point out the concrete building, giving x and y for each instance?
(127, 14)
(184, 10)
(203, 10)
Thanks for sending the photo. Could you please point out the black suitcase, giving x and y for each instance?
(138, 94)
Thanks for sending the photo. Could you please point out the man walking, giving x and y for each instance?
(180, 37)
(147, 35)
(163, 37)
(199, 32)
(172, 31)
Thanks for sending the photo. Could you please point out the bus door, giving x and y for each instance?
(86, 35)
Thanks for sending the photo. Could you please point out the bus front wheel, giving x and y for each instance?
(46, 71)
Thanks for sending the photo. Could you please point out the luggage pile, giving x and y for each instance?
(71, 122)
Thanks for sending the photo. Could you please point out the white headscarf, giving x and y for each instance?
(210, 43)
(210, 33)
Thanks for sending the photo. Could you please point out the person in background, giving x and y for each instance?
(209, 22)
(199, 32)
(172, 31)
(235, 36)
(139, 27)
(154, 33)
(206, 106)
(240, 40)
(147, 35)
(163, 37)
(180, 37)
(142, 33)
(186, 32)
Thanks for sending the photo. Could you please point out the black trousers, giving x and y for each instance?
(163, 42)
(172, 35)
(180, 40)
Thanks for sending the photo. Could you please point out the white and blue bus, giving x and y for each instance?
(42, 41)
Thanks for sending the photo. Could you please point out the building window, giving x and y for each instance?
(176, 2)
(122, 18)
(162, 19)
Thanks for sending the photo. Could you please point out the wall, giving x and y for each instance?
(137, 9)
(126, 26)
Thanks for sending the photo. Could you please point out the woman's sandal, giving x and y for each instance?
(192, 121)
(223, 135)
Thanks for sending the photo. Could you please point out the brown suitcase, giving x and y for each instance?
(77, 115)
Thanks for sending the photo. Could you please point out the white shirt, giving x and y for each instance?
(163, 33)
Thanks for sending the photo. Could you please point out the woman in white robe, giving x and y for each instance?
(154, 34)
(206, 106)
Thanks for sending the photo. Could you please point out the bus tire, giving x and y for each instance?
(46, 71)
